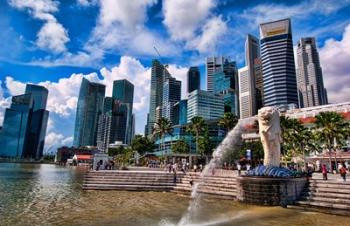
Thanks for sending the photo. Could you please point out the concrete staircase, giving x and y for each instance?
(130, 180)
(327, 196)
(220, 186)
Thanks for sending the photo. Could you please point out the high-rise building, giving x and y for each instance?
(39, 119)
(204, 104)
(259, 85)
(309, 75)
(278, 67)
(123, 92)
(193, 79)
(159, 74)
(180, 113)
(89, 108)
(213, 65)
(171, 95)
(245, 93)
(226, 84)
(25, 122)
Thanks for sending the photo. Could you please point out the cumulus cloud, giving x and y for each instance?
(54, 140)
(183, 18)
(334, 57)
(212, 30)
(52, 35)
(194, 23)
(87, 2)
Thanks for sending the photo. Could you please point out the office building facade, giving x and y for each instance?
(205, 104)
(193, 79)
(245, 93)
(171, 95)
(89, 108)
(25, 122)
(159, 74)
(311, 89)
(213, 64)
(278, 67)
(180, 113)
(226, 84)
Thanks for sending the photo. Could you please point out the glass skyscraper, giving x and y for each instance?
(213, 65)
(193, 79)
(226, 84)
(180, 113)
(278, 67)
(123, 95)
(204, 104)
(89, 108)
(309, 74)
(25, 122)
(171, 95)
(159, 74)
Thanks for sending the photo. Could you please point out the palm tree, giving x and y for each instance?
(196, 127)
(228, 121)
(332, 128)
(161, 128)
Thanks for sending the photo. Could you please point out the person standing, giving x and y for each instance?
(239, 169)
(324, 172)
(342, 171)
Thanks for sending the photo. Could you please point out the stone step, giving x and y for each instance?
(127, 187)
(328, 200)
(334, 186)
(132, 179)
(214, 187)
(330, 181)
(324, 204)
(129, 183)
(328, 190)
(326, 195)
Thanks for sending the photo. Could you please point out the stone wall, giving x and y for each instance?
(269, 191)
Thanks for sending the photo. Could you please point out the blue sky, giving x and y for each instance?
(56, 43)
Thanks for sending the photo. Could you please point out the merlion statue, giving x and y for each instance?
(270, 135)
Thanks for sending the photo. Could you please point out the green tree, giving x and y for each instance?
(181, 147)
(205, 145)
(142, 144)
(332, 129)
(228, 121)
(115, 151)
(161, 128)
(197, 127)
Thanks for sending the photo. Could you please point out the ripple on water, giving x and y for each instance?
(52, 195)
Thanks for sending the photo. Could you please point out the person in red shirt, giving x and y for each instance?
(324, 172)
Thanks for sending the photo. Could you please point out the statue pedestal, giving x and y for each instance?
(270, 191)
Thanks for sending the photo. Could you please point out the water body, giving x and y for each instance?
(34, 194)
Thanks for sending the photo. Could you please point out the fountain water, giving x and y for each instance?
(230, 143)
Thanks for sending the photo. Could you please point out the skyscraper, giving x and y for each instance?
(204, 104)
(159, 74)
(226, 84)
(89, 108)
(309, 74)
(180, 113)
(280, 87)
(25, 122)
(38, 122)
(123, 93)
(171, 95)
(193, 79)
(213, 65)
(245, 93)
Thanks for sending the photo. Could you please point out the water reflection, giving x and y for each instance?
(52, 195)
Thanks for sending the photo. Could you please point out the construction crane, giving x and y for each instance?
(165, 65)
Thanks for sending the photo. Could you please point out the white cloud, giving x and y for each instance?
(87, 2)
(194, 23)
(54, 140)
(183, 17)
(270, 12)
(14, 87)
(212, 30)
(334, 57)
(180, 73)
(52, 35)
